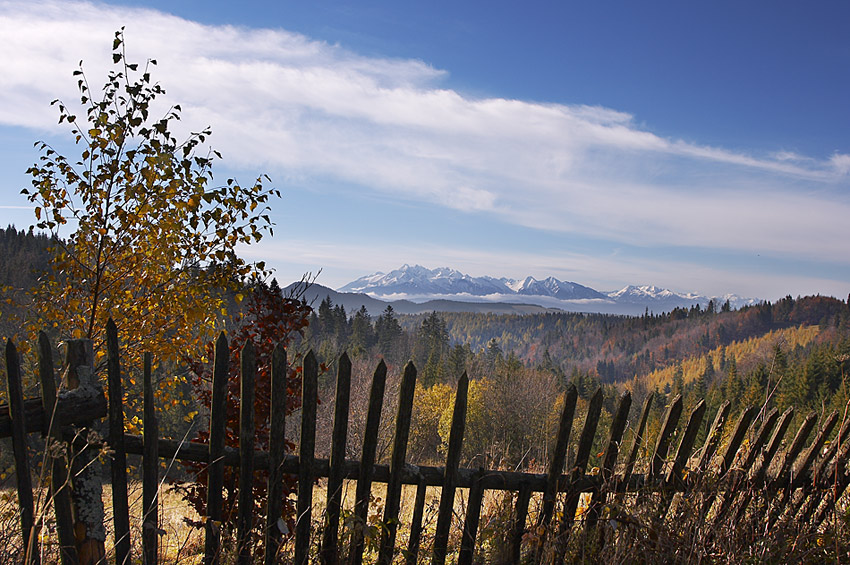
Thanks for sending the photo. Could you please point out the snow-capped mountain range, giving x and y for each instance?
(418, 283)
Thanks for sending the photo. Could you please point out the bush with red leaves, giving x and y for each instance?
(270, 318)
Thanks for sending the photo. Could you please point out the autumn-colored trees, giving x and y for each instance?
(144, 236)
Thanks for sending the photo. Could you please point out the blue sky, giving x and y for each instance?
(700, 147)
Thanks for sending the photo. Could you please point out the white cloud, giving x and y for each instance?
(282, 102)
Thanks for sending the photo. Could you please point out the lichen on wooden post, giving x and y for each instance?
(86, 480)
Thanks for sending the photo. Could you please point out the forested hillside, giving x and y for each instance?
(792, 352)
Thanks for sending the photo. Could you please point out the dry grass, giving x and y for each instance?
(632, 532)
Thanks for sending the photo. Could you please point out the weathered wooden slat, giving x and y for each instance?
(277, 444)
(673, 479)
(807, 505)
(416, 524)
(757, 474)
(120, 504)
(520, 517)
(638, 439)
(585, 444)
(686, 445)
(309, 391)
(800, 474)
(59, 484)
(736, 439)
(245, 517)
(737, 476)
(823, 479)
(665, 436)
(725, 462)
(150, 470)
(470, 523)
(214, 452)
(399, 454)
(87, 484)
(71, 410)
(802, 466)
(447, 495)
(609, 458)
(556, 467)
(836, 479)
(712, 440)
(782, 480)
(329, 552)
(19, 448)
(367, 462)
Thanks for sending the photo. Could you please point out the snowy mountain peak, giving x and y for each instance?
(418, 282)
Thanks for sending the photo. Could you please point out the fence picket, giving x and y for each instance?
(609, 459)
(19, 448)
(329, 552)
(470, 524)
(277, 434)
(367, 462)
(59, 482)
(520, 516)
(150, 470)
(556, 467)
(625, 479)
(245, 518)
(757, 475)
(215, 451)
(585, 443)
(416, 523)
(712, 440)
(399, 454)
(120, 504)
(447, 495)
(87, 493)
(306, 451)
(665, 436)
(686, 446)
(738, 475)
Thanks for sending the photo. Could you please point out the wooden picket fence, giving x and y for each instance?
(801, 484)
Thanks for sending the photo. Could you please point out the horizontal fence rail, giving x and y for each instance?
(799, 482)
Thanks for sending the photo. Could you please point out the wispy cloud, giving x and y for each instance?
(280, 101)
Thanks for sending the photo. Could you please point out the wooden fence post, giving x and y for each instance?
(756, 477)
(609, 460)
(399, 454)
(150, 469)
(330, 552)
(215, 468)
(120, 504)
(89, 532)
(712, 439)
(367, 462)
(585, 444)
(306, 452)
(662, 443)
(29, 532)
(638, 439)
(416, 523)
(244, 523)
(556, 467)
(60, 486)
(277, 443)
(520, 516)
(447, 496)
(470, 523)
